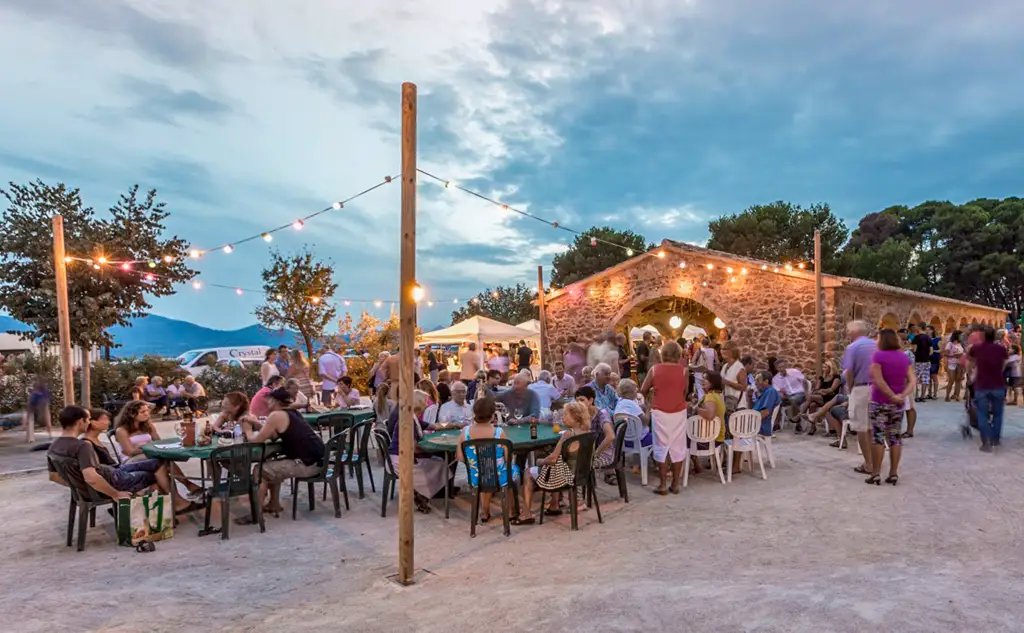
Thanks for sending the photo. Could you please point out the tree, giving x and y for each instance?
(298, 290)
(584, 259)
(369, 336)
(98, 298)
(780, 232)
(508, 304)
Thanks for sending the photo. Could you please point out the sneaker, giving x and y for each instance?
(196, 496)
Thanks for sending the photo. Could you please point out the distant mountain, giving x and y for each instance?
(161, 336)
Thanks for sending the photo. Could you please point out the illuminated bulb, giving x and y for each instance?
(126, 266)
(278, 296)
(743, 271)
(776, 270)
(593, 241)
(315, 300)
(96, 266)
(719, 323)
(711, 266)
(168, 259)
(704, 283)
(102, 260)
(267, 237)
(228, 249)
(377, 304)
(592, 292)
(629, 252)
(337, 206)
(728, 269)
(298, 224)
(733, 279)
(682, 264)
(661, 254)
(764, 266)
(675, 322)
(67, 260)
(789, 267)
(455, 301)
(238, 291)
(150, 277)
(152, 264)
(418, 293)
(800, 265)
(430, 304)
(194, 254)
(347, 302)
(197, 285)
(495, 294)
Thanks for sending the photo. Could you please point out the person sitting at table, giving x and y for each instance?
(383, 404)
(234, 408)
(105, 477)
(301, 446)
(260, 403)
(474, 383)
(562, 381)
(429, 476)
(587, 375)
(553, 472)
(135, 429)
(156, 394)
(602, 387)
(520, 399)
(346, 395)
(712, 406)
(428, 388)
(483, 429)
(546, 392)
(138, 391)
(600, 425)
(300, 402)
(629, 404)
(175, 394)
(193, 391)
(456, 411)
(444, 388)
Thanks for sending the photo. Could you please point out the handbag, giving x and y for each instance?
(144, 518)
(557, 475)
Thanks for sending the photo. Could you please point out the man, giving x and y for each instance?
(857, 367)
(643, 356)
(117, 483)
(469, 363)
(259, 406)
(546, 392)
(606, 398)
(524, 356)
(299, 399)
(331, 368)
(789, 382)
(565, 383)
(520, 398)
(192, 392)
(936, 362)
(986, 361)
(282, 360)
(433, 366)
(922, 361)
(766, 402)
(457, 410)
(624, 362)
(157, 395)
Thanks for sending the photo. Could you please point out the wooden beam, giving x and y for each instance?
(545, 362)
(407, 338)
(819, 317)
(63, 317)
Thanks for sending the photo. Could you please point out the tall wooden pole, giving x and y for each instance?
(819, 317)
(63, 318)
(407, 316)
(545, 363)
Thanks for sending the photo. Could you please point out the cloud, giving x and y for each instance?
(155, 102)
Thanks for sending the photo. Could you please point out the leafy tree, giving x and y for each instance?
(369, 336)
(298, 291)
(892, 262)
(584, 259)
(779, 232)
(132, 230)
(508, 304)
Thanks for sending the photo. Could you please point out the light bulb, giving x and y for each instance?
(279, 296)
(661, 254)
(743, 271)
(126, 266)
(719, 323)
(67, 260)
(238, 291)
(152, 264)
(495, 294)
(733, 279)
(789, 267)
(455, 301)
(711, 266)
(228, 249)
(682, 264)
(315, 300)
(629, 252)
(347, 302)
(102, 260)
(776, 270)
(150, 277)
(418, 293)
(593, 241)
(267, 237)
(197, 285)
(168, 259)
(801, 265)
(96, 266)
(337, 206)
(704, 283)
(430, 304)
(764, 266)
(728, 269)
(675, 322)
(377, 304)
(194, 253)
(298, 224)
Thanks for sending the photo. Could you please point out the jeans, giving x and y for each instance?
(990, 401)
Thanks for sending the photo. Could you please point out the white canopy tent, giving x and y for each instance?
(533, 325)
(479, 330)
(637, 333)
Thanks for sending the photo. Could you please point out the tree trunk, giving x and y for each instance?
(309, 352)
(86, 379)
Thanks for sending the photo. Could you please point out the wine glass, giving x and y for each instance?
(517, 414)
(179, 430)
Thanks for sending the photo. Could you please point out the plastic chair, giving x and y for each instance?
(635, 431)
(619, 464)
(383, 441)
(700, 431)
(331, 470)
(357, 454)
(232, 469)
(766, 440)
(489, 477)
(113, 445)
(83, 497)
(366, 401)
(744, 426)
(583, 476)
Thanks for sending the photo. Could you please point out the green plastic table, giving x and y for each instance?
(447, 442)
(358, 415)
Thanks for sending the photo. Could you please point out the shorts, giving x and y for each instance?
(923, 373)
(797, 399)
(839, 412)
(1013, 381)
(886, 421)
(841, 398)
(279, 470)
(935, 368)
(859, 408)
(136, 476)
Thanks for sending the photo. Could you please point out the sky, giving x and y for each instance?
(649, 115)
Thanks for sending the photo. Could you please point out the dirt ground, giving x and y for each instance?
(811, 549)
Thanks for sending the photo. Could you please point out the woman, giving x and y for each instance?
(734, 379)
(630, 403)
(298, 369)
(433, 365)
(135, 429)
(828, 387)
(429, 477)
(269, 366)
(553, 472)
(892, 384)
(668, 380)
(1013, 381)
(712, 406)
(601, 426)
(301, 446)
(483, 429)
(138, 391)
(587, 374)
(575, 358)
(382, 405)
(954, 355)
(698, 365)
(444, 390)
(234, 408)
(378, 373)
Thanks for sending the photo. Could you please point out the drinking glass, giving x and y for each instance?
(517, 414)
(179, 430)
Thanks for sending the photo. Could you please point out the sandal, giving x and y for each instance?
(548, 512)
(660, 491)
(861, 470)
(674, 490)
(246, 520)
(518, 521)
(907, 435)
(145, 546)
(485, 519)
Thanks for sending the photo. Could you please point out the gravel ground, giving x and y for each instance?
(811, 549)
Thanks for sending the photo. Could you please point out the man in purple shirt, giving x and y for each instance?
(857, 367)
(987, 360)
(562, 381)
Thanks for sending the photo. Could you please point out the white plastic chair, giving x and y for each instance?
(634, 433)
(366, 401)
(701, 431)
(766, 440)
(744, 426)
(430, 415)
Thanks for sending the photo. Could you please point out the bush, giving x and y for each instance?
(117, 378)
(18, 375)
(222, 380)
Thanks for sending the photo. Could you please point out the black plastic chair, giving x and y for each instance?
(334, 423)
(331, 470)
(583, 477)
(83, 497)
(383, 441)
(489, 476)
(232, 471)
(619, 465)
(113, 445)
(357, 453)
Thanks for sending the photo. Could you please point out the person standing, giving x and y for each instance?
(469, 362)
(433, 366)
(954, 354)
(922, 345)
(283, 361)
(298, 368)
(643, 356)
(331, 368)
(625, 364)
(668, 414)
(936, 363)
(857, 367)
(575, 359)
(269, 366)
(892, 383)
(524, 356)
(987, 359)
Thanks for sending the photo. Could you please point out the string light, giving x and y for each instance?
(194, 254)
(593, 241)
(197, 284)
(661, 254)
(102, 260)
(96, 266)
(238, 291)
(315, 300)
(338, 206)
(711, 266)
(801, 265)
(168, 259)
(728, 269)
(228, 249)
(150, 277)
(152, 264)
(704, 283)
(430, 304)
(377, 304)
(682, 264)
(495, 294)
(629, 252)
(732, 279)
(789, 267)
(776, 269)
(764, 266)
(67, 260)
(267, 237)
(298, 224)
(455, 301)
(743, 271)
(347, 303)
(279, 297)
(126, 266)
(418, 293)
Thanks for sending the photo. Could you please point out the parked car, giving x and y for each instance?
(196, 361)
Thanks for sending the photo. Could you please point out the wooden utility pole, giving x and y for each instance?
(541, 304)
(819, 317)
(407, 337)
(63, 318)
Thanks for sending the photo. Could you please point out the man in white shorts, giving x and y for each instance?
(857, 365)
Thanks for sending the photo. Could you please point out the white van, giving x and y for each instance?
(196, 361)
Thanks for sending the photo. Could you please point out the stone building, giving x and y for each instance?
(767, 308)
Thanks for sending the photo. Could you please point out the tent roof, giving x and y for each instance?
(477, 328)
(533, 325)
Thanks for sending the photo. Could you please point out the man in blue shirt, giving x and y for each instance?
(606, 396)
(766, 402)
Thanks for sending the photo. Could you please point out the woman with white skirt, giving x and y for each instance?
(668, 414)
(428, 475)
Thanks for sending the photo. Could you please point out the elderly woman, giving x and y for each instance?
(892, 384)
(629, 404)
(601, 426)
(429, 477)
(602, 386)
(668, 381)
(587, 374)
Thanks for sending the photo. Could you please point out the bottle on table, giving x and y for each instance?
(533, 429)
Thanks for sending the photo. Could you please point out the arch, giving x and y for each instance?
(950, 325)
(963, 322)
(653, 295)
(915, 318)
(974, 320)
(661, 311)
(936, 322)
(889, 321)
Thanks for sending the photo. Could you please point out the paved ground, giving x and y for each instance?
(811, 549)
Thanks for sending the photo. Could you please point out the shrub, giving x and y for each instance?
(116, 378)
(222, 380)
(18, 375)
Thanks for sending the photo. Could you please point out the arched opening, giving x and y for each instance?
(672, 317)
(963, 322)
(950, 325)
(936, 323)
(915, 319)
(889, 321)
(974, 321)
